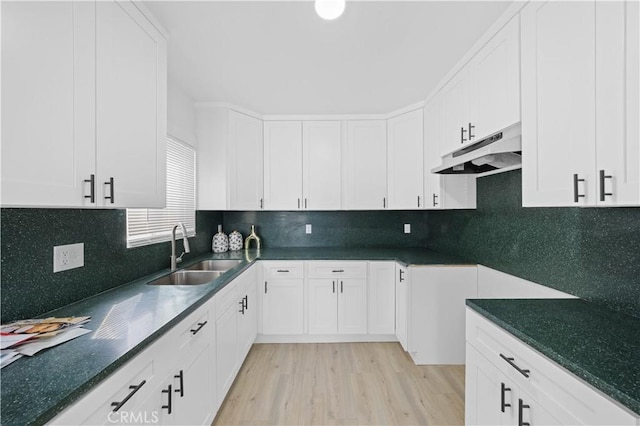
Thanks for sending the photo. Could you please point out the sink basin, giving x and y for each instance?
(187, 278)
(213, 265)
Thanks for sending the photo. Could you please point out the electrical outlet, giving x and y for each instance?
(407, 228)
(69, 256)
(307, 228)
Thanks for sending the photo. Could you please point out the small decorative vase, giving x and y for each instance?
(220, 243)
(235, 241)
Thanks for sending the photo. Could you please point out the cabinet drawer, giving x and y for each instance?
(225, 297)
(333, 269)
(283, 270)
(129, 387)
(561, 393)
(195, 328)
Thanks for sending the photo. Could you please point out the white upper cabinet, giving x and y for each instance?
(405, 161)
(457, 112)
(617, 169)
(283, 165)
(484, 96)
(322, 180)
(86, 83)
(580, 104)
(48, 146)
(365, 165)
(245, 162)
(442, 191)
(131, 108)
(497, 70)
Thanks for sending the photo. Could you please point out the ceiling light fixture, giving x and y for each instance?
(330, 9)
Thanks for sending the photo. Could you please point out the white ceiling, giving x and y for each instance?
(281, 58)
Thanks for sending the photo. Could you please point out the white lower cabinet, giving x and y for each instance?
(170, 382)
(382, 298)
(337, 301)
(283, 298)
(436, 318)
(402, 306)
(498, 391)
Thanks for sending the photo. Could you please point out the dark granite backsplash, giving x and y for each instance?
(30, 288)
(364, 229)
(589, 252)
(593, 253)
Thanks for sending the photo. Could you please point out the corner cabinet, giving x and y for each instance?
(282, 297)
(580, 126)
(405, 161)
(230, 160)
(92, 77)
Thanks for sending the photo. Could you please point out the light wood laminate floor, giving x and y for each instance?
(342, 383)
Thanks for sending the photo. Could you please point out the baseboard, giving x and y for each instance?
(324, 338)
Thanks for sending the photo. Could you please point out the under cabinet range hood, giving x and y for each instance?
(500, 150)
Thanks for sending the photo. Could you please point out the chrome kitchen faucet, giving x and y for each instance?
(185, 243)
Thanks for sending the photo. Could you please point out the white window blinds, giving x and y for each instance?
(149, 226)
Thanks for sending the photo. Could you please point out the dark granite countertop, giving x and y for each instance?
(35, 389)
(599, 345)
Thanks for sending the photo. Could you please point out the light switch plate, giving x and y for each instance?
(307, 228)
(69, 256)
(407, 228)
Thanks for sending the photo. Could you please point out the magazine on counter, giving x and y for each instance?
(28, 337)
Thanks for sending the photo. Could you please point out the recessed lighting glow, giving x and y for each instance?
(330, 9)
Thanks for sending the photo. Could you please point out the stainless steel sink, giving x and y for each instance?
(214, 265)
(187, 278)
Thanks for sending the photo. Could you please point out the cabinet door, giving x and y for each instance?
(432, 153)
(402, 306)
(131, 108)
(282, 165)
(283, 306)
(617, 122)
(194, 402)
(226, 350)
(497, 68)
(366, 165)
(48, 94)
(489, 396)
(405, 161)
(248, 318)
(382, 298)
(322, 181)
(558, 103)
(352, 306)
(437, 312)
(455, 114)
(245, 145)
(323, 305)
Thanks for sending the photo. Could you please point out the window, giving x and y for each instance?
(149, 226)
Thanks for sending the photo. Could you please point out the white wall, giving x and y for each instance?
(181, 115)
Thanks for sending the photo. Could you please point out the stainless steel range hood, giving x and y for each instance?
(500, 150)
